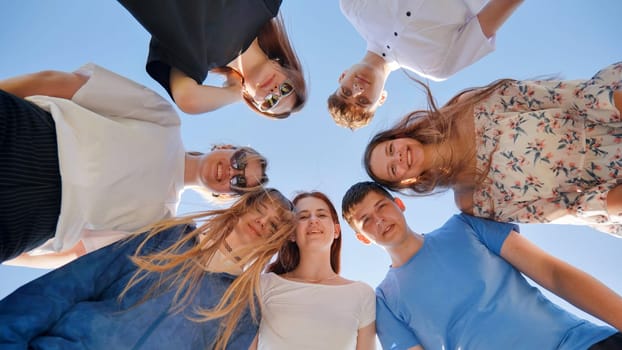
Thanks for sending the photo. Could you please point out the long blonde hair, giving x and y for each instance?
(433, 126)
(188, 267)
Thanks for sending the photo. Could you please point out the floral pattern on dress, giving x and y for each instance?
(553, 150)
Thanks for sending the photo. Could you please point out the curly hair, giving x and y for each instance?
(348, 115)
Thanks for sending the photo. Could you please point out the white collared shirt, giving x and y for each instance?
(433, 38)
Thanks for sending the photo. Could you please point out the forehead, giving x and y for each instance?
(378, 160)
(286, 104)
(367, 205)
(311, 203)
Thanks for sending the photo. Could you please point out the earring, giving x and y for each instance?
(411, 181)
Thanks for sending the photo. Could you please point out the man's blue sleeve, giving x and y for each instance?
(491, 233)
(393, 333)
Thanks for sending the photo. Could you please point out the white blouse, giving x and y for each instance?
(297, 315)
(433, 38)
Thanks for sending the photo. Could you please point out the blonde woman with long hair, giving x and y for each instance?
(174, 287)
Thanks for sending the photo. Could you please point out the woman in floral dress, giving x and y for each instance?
(523, 151)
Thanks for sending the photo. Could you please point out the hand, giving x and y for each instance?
(233, 81)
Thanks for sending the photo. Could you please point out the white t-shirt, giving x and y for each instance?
(433, 38)
(121, 159)
(298, 315)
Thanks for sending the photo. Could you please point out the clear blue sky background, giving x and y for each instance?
(572, 39)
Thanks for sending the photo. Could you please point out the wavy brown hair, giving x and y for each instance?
(289, 254)
(183, 270)
(434, 126)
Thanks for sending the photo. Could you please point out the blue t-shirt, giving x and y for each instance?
(457, 292)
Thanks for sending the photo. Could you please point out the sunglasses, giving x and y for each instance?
(272, 99)
(239, 161)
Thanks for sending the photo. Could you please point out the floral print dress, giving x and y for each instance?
(553, 150)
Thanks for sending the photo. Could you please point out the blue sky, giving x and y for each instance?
(571, 39)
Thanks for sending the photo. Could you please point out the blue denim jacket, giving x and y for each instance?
(77, 307)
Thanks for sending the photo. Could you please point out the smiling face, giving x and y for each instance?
(399, 160)
(267, 87)
(222, 167)
(257, 224)
(362, 85)
(316, 227)
(379, 219)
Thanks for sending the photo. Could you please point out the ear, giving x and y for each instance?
(363, 239)
(343, 74)
(383, 97)
(337, 230)
(399, 203)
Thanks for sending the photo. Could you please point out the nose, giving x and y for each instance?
(357, 89)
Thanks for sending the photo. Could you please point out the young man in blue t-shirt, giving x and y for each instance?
(461, 287)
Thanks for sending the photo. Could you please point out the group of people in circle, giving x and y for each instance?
(94, 166)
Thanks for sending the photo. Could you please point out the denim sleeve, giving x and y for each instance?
(38, 305)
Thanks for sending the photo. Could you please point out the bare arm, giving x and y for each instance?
(366, 337)
(47, 83)
(253, 345)
(49, 260)
(614, 201)
(568, 282)
(194, 98)
(494, 14)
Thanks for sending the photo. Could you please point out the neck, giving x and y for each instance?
(313, 267)
(191, 170)
(405, 250)
(377, 62)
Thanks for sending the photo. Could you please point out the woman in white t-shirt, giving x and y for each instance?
(111, 149)
(306, 304)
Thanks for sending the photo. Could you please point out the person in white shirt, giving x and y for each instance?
(306, 304)
(432, 38)
(111, 149)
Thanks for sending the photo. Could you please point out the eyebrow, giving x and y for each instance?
(386, 153)
(365, 215)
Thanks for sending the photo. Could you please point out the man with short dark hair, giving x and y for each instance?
(461, 287)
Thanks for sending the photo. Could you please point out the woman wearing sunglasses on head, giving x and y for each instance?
(522, 151)
(245, 40)
(174, 287)
(111, 150)
(306, 304)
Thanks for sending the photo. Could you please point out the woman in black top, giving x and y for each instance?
(245, 40)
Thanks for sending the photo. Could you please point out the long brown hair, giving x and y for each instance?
(433, 126)
(289, 254)
(187, 268)
(274, 42)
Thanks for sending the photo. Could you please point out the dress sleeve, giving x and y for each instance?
(38, 305)
(491, 233)
(115, 96)
(393, 333)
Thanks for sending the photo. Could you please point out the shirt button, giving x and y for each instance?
(395, 33)
(383, 54)
(388, 47)
(408, 13)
